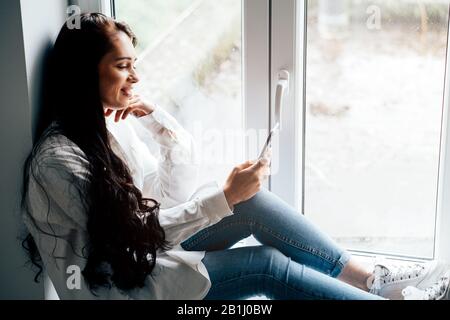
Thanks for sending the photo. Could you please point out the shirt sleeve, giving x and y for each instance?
(176, 176)
(182, 221)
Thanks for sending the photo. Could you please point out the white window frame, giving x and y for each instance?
(442, 237)
(256, 67)
(288, 15)
(290, 150)
(103, 6)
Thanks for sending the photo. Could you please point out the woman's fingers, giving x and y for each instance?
(245, 165)
(136, 111)
(123, 114)
(261, 169)
(268, 153)
(265, 172)
(133, 100)
(139, 113)
(118, 114)
(108, 112)
(126, 113)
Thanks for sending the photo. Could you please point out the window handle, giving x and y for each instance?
(281, 90)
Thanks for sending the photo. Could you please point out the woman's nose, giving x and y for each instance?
(134, 77)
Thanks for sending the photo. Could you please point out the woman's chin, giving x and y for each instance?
(124, 104)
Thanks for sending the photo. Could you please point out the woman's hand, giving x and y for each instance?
(136, 105)
(245, 181)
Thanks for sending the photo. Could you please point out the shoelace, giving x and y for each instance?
(402, 272)
(384, 275)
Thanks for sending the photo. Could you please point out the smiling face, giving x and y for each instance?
(117, 73)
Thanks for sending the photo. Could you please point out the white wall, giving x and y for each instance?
(41, 21)
(27, 30)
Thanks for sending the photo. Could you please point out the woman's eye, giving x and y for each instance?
(126, 67)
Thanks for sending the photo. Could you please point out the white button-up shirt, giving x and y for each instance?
(160, 155)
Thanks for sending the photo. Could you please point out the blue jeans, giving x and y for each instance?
(295, 261)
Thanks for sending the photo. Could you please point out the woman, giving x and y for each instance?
(96, 199)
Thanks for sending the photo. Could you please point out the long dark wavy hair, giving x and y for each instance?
(114, 206)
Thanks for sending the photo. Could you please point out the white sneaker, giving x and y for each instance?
(388, 282)
(438, 291)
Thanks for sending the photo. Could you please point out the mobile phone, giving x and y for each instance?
(268, 140)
